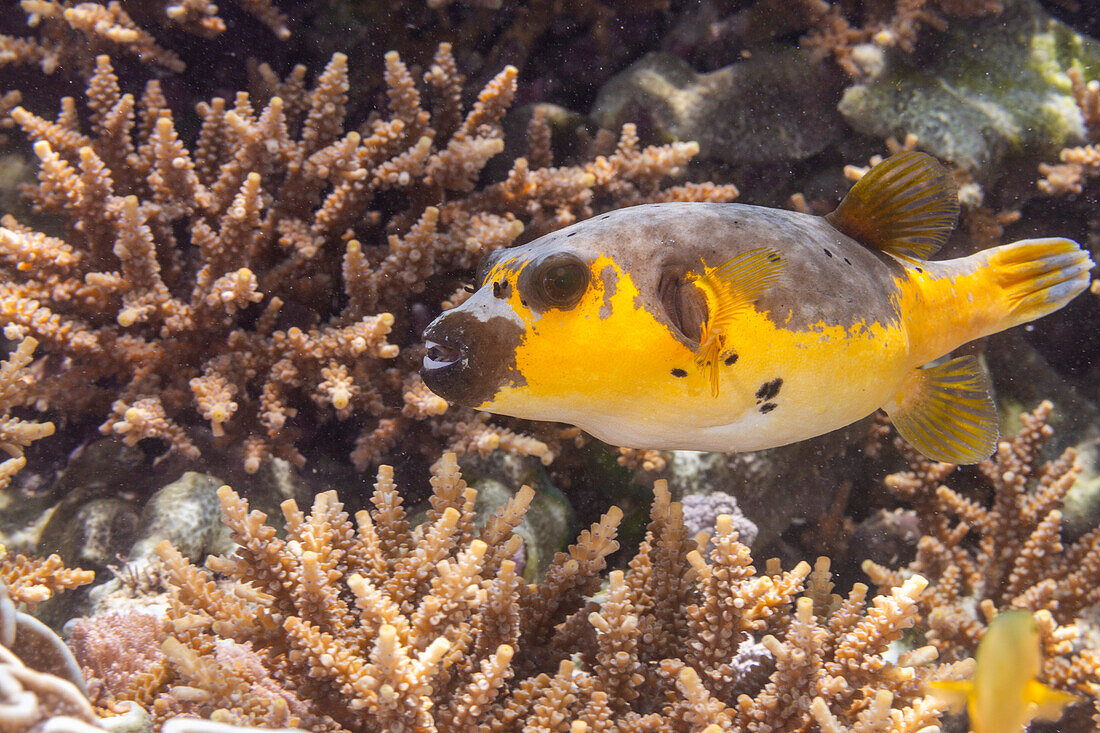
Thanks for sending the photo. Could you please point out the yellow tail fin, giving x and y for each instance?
(1038, 276)
(949, 303)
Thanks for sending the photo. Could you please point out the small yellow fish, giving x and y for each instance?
(1004, 695)
(728, 327)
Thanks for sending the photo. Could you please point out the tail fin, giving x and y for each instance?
(1038, 276)
(956, 301)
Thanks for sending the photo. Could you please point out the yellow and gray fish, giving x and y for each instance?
(1004, 696)
(729, 327)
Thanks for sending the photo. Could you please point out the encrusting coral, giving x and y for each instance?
(373, 624)
(984, 557)
(253, 280)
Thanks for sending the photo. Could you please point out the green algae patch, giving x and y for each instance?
(996, 88)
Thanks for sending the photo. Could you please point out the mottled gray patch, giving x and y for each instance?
(610, 280)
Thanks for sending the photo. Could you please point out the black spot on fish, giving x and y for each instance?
(604, 216)
(570, 234)
(828, 253)
(920, 270)
(730, 359)
(469, 288)
(500, 288)
(847, 260)
(679, 373)
(769, 390)
(523, 302)
(768, 407)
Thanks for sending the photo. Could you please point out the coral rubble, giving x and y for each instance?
(254, 278)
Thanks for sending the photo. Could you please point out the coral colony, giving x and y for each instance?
(236, 282)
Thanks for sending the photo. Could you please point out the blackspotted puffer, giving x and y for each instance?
(729, 327)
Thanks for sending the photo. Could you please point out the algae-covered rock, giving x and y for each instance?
(770, 107)
(188, 514)
(549, 524)
(111, 495)
(544, 528)
(995, 87)
(1081, 511)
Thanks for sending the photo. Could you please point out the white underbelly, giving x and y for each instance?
(685, 428)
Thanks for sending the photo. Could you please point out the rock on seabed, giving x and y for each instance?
(995, 87)
(770, 107)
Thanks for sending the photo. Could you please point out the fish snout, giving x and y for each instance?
(472, 353)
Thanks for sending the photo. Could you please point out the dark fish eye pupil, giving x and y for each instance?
(564, 282)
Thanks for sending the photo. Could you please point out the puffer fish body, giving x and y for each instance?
(1004, 695)
(731, 327)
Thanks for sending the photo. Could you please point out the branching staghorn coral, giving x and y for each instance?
(252, 279)
(68, 33)
(836, 29)
(16, 433)
(982, 558)
(372, 624)
(31, 580)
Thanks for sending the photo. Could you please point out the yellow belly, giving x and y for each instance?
(617, 377)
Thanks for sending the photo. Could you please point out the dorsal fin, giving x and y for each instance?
(906, 205)
(728, 290)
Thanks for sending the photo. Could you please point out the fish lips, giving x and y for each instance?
(472, 351)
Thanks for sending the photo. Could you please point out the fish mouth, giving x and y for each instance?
(441, 357)
(470, 354)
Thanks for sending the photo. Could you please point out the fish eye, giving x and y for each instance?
(561, 280)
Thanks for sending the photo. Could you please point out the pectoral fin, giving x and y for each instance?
(728, 290)
(947, 411)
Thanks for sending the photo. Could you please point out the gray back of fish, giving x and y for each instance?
(828, 278)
